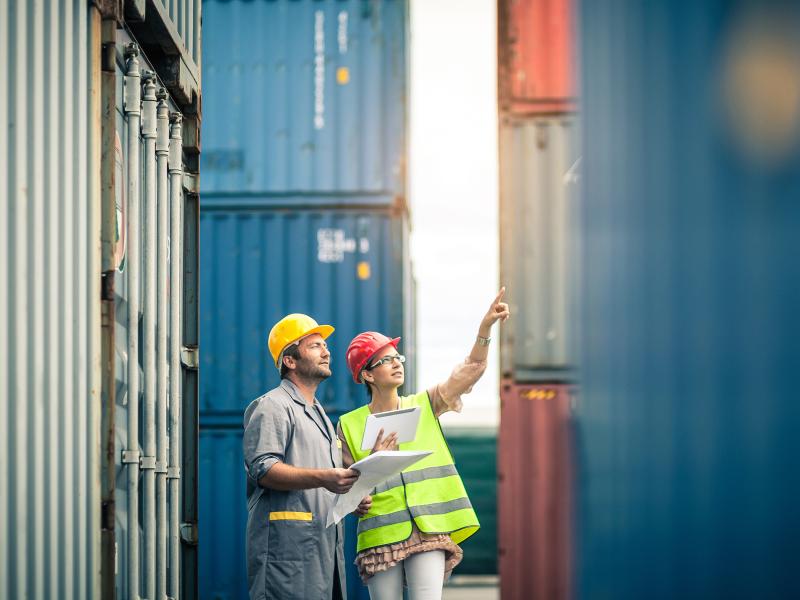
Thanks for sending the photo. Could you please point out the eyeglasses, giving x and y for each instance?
(386, 360)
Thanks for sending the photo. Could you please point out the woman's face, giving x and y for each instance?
(388, 370)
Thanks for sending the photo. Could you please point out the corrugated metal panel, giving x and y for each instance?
(536, 56)
(223, 564)
(535, 491)
(348, 268)
(475, 453)
(50, 300)
(538, 255)
(688, 430)
(184, 17)
(55, 129)
(307, 98)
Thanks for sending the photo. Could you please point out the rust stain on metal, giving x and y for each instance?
(536, 52)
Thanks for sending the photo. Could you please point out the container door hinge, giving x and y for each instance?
(190, 357)
(130, 457)
(189, 533)
(191, 183)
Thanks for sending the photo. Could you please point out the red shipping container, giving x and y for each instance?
(536, 51)
(535, 491)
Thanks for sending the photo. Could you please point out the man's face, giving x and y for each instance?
(315, 360)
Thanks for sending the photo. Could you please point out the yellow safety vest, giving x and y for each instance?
(429, 491)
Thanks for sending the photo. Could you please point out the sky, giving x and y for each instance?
(454, 192)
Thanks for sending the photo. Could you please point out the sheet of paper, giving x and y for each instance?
(403, 422)
(375, 469)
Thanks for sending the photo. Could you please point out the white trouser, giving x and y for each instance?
(424, 576)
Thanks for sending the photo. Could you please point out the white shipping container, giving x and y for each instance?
(50, 300)
(539, 177)
(93, 205)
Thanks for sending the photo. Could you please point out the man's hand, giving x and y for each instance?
(364, 506)
(390, 443)
(339, 481)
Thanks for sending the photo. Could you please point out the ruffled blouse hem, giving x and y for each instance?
(382, 558)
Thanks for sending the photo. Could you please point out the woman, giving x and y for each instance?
(416, 520)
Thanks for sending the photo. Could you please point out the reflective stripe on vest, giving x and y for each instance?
(430, 492)
(416, 476)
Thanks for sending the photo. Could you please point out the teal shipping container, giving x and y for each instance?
(474, 451)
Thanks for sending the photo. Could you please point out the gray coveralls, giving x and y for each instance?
(290, 552)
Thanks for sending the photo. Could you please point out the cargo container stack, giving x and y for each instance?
(303, 210)
(539, 163)
(99, 120)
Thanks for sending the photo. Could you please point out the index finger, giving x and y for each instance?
(500, 295)
(379, 437)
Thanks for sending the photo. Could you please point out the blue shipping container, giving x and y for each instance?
(222, 504)
(224, 518)
(688, 423)
(346, 267)
(305, 101)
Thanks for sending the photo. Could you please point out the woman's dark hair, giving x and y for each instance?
(294, 352)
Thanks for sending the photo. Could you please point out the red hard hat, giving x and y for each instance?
(363, 347)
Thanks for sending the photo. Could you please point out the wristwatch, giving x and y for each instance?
(484, 341)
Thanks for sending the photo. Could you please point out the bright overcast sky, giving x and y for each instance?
(454, 190)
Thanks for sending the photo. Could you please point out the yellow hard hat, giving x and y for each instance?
(290, 329)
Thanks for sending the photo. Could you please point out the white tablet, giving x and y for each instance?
(403, 422)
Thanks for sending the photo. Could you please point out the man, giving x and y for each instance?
(294, 469)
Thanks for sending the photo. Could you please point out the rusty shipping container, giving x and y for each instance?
(535, 490)
(536, 56)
